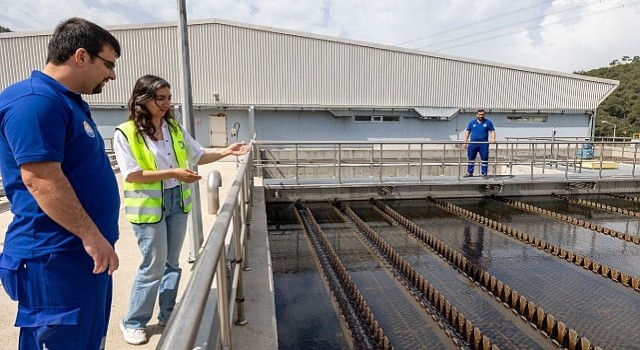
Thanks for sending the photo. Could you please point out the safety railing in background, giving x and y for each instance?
(401, 161)
(108, 144)
(217, 274)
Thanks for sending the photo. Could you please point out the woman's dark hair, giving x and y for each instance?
(76, 33)
(145, 90)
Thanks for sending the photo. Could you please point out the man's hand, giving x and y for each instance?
(103, 255)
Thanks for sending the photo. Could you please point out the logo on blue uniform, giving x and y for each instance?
(89, 130)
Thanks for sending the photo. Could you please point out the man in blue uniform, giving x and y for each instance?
(479, 130)
(59, 249)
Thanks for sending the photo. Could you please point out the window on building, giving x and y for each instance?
(527, 118)
(377, 118)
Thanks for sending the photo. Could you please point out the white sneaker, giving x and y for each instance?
(133, 336)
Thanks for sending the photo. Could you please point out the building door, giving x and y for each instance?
(218, 130)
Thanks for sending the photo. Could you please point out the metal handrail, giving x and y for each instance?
(534, 158)
(182, 330)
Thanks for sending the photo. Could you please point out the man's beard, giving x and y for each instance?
(98, 88)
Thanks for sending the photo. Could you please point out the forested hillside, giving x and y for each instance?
(622, 107)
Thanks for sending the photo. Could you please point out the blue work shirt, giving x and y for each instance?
(479, 131)
(43, 121)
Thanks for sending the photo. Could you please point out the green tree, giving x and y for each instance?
(622, 107)
(3, 29)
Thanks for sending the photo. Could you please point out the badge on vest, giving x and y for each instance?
(181, 143)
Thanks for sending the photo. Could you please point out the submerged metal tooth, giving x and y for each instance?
(506, 294)
(559, 332)
(578, 260)
(530, 311)
(540, 315)
(550, 322)
(461, 324)
(453, 316)
(635, 283)
(441, 304)
(624, 278)
(521, 305)
(572, 340)
(484, 278)
(477, 337)
(486, 343)
(613, 273)
(498, 290)
(584, 344)
(447, 311)
(513, 299)
(468, 331)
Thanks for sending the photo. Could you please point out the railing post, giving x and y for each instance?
(223, 301)
(533, 156)
(544, 157)
(421, 162)
(381, 162)
(495, 163)
(460, 161)
(635, 158)
(566, 168)
(601, 158)
(408, 159)
(335, 157)
(444, 157)
(297, 180)
(240, 255)
(339, 163)
(511, 146)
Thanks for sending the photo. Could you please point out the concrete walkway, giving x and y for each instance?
(259, 304)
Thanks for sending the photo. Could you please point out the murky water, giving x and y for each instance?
(599, 309)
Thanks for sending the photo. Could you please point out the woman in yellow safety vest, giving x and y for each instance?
(152, 150)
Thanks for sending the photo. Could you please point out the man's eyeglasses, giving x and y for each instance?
(109, 64)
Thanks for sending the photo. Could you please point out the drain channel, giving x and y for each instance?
(597, 205)
(365, 330)
(457, 327)
(536, 316)
(572, 220)
(583, 261)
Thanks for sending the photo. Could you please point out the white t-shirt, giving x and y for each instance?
(162, 152)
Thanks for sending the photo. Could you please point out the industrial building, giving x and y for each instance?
(287, 85)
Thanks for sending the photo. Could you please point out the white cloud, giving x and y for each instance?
(563, 35)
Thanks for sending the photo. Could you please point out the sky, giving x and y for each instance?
(559, 35)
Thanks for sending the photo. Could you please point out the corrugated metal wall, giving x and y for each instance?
(249, 65)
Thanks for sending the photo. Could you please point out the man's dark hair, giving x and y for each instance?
(76, 33)
(480, 111)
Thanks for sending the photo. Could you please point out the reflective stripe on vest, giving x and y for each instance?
(143, 201)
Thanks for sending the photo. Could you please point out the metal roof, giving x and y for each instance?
(266, 67)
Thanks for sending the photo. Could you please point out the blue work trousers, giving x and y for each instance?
(62, 304)
(472, 151)
(159, 273)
